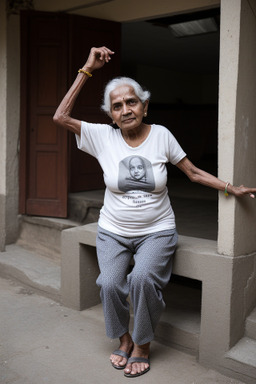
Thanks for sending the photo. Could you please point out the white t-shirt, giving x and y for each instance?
(136, 199)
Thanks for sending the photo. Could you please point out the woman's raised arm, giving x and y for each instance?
(62, 117)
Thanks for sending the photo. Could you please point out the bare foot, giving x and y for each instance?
(126, 345)
(138, 368)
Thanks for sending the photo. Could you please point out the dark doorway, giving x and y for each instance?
(182, 75)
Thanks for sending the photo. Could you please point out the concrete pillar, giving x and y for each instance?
(9, 126)
(237, 124)
(13, 128)
(234, 285)
(3, 120)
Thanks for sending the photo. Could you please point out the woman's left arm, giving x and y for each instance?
(199, 176)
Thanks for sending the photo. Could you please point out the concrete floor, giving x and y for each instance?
(43, 342)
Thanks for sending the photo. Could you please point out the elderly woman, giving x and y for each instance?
(137, 219)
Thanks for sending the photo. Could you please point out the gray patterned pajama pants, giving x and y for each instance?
(151, 272)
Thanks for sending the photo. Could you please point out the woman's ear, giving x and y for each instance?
(146, 108)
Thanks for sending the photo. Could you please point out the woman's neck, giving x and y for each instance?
(135, 137)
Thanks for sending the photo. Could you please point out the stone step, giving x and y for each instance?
(84, 207)
(250, 325)
(242, 358)
(43, 234)
(32, 270)
(179, 326)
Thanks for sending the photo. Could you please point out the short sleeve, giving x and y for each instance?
(175, 152)
(93, 138)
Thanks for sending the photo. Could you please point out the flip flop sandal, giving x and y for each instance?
(118, 352)
(137, 360)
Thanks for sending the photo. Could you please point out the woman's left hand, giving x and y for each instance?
(242, 190)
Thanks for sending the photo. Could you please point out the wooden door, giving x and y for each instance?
(43, 162)
(53, 47)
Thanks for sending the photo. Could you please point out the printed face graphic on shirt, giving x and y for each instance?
(135, 174)
(137, 168)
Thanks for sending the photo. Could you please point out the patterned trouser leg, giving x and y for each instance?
(150, 274)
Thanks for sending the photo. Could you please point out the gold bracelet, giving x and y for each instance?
(85, 72)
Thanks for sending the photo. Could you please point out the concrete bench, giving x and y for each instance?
(195, 258)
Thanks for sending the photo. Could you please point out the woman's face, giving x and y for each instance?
(127, 110)
(137, 168)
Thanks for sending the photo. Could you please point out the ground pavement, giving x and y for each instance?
(43, 342)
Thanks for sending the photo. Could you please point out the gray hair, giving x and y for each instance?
(143, 95)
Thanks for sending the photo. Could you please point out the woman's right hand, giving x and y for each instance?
(97, 58)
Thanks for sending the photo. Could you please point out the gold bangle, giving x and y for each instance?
(85, 72)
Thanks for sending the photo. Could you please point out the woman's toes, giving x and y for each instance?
(115, 359)
(128, 368)
(118, 360)
(136, 368)
(122, 363)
